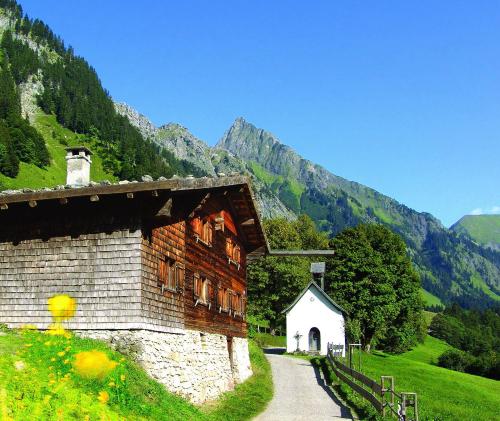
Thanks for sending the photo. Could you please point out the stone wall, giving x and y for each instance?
(241, 367)
(195, 365)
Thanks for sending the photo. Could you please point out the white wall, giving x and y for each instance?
(314, 310)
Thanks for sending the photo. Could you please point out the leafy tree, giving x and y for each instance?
(274, 282)
(372, 277)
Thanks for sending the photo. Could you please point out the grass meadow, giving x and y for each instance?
(442, 394)
(39, 380)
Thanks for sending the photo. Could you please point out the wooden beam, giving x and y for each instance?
(166, 209)
(200, 205)
(32, 203)
(94, 198)
(301, 253)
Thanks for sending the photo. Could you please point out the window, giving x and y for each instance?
(235, 304)
(170, 275)
(229, 247)
(207, 232)
(237, 254)
(223, 295)
(201, 289)
(233, 252)
(203, 230)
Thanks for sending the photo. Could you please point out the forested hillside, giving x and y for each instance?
(69, 88)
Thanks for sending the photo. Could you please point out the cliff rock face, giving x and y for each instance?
(145, 126)
(184, 145)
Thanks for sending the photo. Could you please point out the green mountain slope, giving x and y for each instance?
(442, 394)
(57, 138)
(452, 268)
(483, 229)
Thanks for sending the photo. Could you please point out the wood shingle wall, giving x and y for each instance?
(101, 270)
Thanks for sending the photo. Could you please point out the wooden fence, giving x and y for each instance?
(381, 395)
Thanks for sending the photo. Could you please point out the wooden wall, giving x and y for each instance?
(81, 250)
(162, 308)
(213, 263)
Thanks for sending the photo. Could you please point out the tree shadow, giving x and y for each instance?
(344, 411)
(274, 351)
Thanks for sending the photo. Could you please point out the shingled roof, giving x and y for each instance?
(242, 198)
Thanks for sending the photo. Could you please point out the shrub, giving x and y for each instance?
(455, 360)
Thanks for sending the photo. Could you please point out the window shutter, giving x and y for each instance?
(179, 276)
(210, 232)
(220, 298)
(162, 272)
(236, 254)
(196, 285)
(210, 295)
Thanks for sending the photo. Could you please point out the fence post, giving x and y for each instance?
(384, 391)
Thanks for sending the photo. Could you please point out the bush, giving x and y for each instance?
(456, 360)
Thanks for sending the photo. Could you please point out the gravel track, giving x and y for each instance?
(299, 393)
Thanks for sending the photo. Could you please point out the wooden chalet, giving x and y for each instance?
(162, 255)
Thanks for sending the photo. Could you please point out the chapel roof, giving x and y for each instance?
(321, 291)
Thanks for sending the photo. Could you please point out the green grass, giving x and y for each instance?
(479, 283)
(40, 391)
(442, 394)
(482, 228)
(430, 299)
(428, 352)
(48, 388)
(266, 339)
(428, 316)
(56, 138)
(249, 398)
(288, 189)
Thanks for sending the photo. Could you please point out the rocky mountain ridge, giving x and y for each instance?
(452, 268)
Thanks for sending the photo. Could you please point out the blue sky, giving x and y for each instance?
(401, 96)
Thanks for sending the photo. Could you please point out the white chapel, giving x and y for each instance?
(313, 320)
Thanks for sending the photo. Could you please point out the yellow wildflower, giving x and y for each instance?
(52, 359)
(48, 343)
(122, 377)
(56, 329)
(66, 361)
(62, 307)
(93, 364)
(111, 384)
(28, 345)
(103, 396)
(61, 354)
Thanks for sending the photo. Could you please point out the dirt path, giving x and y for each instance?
(299, 393)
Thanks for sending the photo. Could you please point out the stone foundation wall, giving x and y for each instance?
(195, 365)
(241, 367)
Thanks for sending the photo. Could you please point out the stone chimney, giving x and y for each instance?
(78, 166)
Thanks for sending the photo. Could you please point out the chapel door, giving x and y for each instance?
(314, 340)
